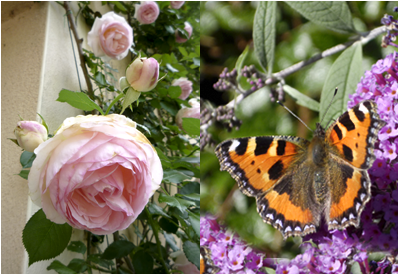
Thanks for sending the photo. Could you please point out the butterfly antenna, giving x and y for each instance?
(292, 113)
(335, 93)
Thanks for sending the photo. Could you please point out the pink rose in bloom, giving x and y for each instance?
(110, 36)
(147, 12)
(187, 112)
(176, 4)
(143, 74)
(189, 30)
(30, 134)
(185, 85)
(97, 173)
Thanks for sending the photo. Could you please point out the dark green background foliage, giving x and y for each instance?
(178, 150)
(226, 30)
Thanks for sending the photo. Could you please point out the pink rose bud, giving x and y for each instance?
(176, 4)
(189, 30)
(110, 36)
(143, 74)
(187, 112)
(30, 134)
(185, 85)
(147, 12)
(97, 173)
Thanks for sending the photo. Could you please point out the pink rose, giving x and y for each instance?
(143, 74)
(189, 30)
(110, 36)
(185, 85)
(97, 173)
(176, 4)
(187, 112)
(147, 12)
(30, 134)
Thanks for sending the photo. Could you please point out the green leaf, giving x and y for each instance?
(240, 63)
(334, 15)
(78, 100)
(193, 196)
(26, 159)
(77, 246)
(171, 241)
(190, 188)
(131, 96)
(171, 68)
(192, 252)
(44, 239)
(100, 79)
(174, 91)
(264, 33)
(170, 108)
(169, 225)
(302, 99)
(118, 249)
(97, 259)
(176, 176)
(119, 5)
(344, 74)
(179, 203)
(192, 126)
(195, 222)
(24, 174)
(156, 210)
(78, 265)
(183, 51)
(143, 262)
(60, 268)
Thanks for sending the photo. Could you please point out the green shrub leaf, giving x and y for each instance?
(60, 268)
(26, 159)
(191, 126)
(78, 100)
(118, 249)
(302, 99)
(179, 203)
(143, 262)
(344, 74)
(264, 34)
(77, 246)
(44, 239)
(334, 15)
(192, 252)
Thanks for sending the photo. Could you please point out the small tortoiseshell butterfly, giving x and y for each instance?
(297, 182)
(206, 264)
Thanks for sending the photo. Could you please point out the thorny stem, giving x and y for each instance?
(276, 77)
(89, 250)
(79, 42)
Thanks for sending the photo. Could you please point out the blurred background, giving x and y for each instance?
(226, 29)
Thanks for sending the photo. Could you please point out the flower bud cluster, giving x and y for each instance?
(227, 80)
(254, 77)
(392, 33)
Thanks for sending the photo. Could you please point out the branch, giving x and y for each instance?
(276, 77)
(79, 42)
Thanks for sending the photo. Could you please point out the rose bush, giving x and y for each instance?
(147, 12)
(30, 134)
(97, 173)
(176, 4)
(185, 85)
(110, 36)
(189, 30)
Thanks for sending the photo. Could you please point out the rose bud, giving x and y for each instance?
(97, 173)
(143, 74)
(110, 36)
(147, 12)
(187, 112)
(189, 30)
(176, 4)
(185, 85)
(30, 134)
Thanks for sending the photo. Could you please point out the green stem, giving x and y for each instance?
(155, 231)
(114, 102)
(89, 251)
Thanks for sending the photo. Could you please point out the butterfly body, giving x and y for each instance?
(298, 182)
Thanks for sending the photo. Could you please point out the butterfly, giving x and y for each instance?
(206, 264)
(297, 182)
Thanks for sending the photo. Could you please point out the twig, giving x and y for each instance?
(79, 42)
(276, 77)
(89, 251)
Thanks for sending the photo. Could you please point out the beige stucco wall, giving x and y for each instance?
(37, 62)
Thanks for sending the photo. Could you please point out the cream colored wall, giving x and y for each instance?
(37, 62)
